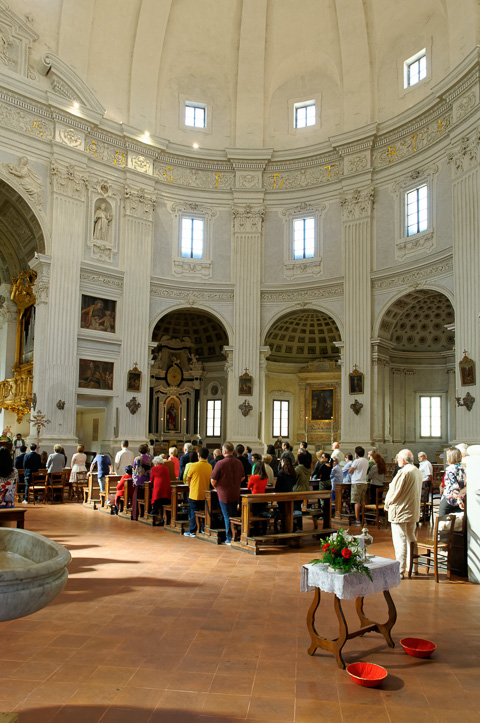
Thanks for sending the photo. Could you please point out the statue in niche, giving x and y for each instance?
(101, 223)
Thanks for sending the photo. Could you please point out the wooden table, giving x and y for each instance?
(326, 581)
(13, 514)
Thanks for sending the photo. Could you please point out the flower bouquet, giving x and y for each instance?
(342, 552)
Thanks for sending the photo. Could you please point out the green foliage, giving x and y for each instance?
(342, 552)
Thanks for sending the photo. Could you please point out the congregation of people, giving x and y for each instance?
(231, 469)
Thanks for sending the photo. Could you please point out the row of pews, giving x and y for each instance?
(281, 522)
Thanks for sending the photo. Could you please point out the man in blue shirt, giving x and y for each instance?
(104, 467)
(31, 464)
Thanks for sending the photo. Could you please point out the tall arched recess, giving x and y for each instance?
(414, 375)
(303, 379)
(188, 380)
(21, 240)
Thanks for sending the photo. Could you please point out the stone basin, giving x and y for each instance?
(33, 571)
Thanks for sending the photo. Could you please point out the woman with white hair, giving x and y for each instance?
(453, 498)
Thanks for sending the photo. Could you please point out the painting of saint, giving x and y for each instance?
(321, 405)
(95, 374)
(172, 415)
(98, 314)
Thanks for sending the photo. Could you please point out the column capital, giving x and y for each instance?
(465, 156)
(41, 264)
(68, 180)
(138, 203)
(247, 219)
(358, 204)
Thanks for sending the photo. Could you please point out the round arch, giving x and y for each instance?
(287, 309)
(305, 333)
(435, 288)
(36, 228)
(198, 307)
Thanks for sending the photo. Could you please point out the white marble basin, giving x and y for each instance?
(32, 572)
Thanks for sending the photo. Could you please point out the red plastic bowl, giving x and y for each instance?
(367, 674)
(418, 647)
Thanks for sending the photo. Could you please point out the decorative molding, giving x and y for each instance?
(177, 209)
(245, 408)
(69, 137)
(27, 178)
(193, 267)
(411, 178)
(171, 172)
(140, 164)
(16, 39)
(407, 278)
(41, 264)
(109, 153)
(358, 205)
(60, 404)
(304, 176)
(465, 156)
(412, 245)
(355, 164)
(100, 278)
(139, 203)
(160, 291)
(68, 182)
(67, 83)
(464, 105)
(305, 267)
(356, 407)
(247, 219)
(249, 180)
(309, 294)
(399, 144)
(133, 405)
(304, 209)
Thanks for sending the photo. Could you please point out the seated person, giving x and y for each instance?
(8, 479)
(126, 479)
(162, 489)
(256, 486)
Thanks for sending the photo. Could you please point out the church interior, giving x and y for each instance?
(236, 220)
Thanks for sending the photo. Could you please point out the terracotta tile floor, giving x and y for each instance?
(157, 627)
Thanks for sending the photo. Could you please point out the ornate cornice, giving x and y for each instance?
(302, 294)
(162, 291)
(406, 278)
(101, 278)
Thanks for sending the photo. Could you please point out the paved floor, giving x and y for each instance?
(157, 627)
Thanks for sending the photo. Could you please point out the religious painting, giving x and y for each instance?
(355, 382)
(134, 380)
(467, 371)
(245, 385)
(94, 374)
(98, 314)
(322, 404)
(172, 415)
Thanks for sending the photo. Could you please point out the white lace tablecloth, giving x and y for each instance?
(385, 575)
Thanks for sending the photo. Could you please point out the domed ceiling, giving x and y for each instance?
(249, 61)
(303, 336)
(417, 322)
(207, 335)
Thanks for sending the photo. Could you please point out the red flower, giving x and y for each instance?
(326, 546)
(346, 553)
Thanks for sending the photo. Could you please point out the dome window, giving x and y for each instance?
(304, 114)
(195, 115)
(415, 69)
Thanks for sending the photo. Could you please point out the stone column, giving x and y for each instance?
(8, 337)
(451, 404)
(137, 234)
(246, 277)
(229, 412)
(356, 234)
(380, 391)
(56, 367)
(264, 432)
(410, 416)
(42, 265)
(465, 162)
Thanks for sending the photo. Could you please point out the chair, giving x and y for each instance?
(372, 512)
(426, 502)
(80, 484)
(20, 490)
(434, 551)
(54, 485)
(38, 484)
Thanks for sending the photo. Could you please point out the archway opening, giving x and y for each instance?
(414, 404)
(188, 381)
(302, 379)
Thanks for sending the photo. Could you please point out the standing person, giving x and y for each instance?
(125, 480)
(184, 459)
(56, 461)
(78, 463)
(275, 463)
(348, 464)
(336, 475)
(227, 477)
(192, 459)
(323, 470)
(198, 480)
(337, 453)
(240, 455)
(123, 458)
(302, 484)
(358, 477)
(287, 452)
(454, 483)
(103, 464)
(162, 488)
(8, 479)
(18, 443)
(266, 459)
(303, 450)
(217, 456)
(141, 474)
(376, 475)
(425, 467)
(31, 464)
(19, 459)
(403, 505)
(173, 457)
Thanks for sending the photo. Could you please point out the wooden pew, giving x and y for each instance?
(338, 498)
(214, 530)
(254, 544)
(38, 483)
(126, 510)
(13, 514)
(91, 494)
(111, 481)
(179, 521)
(20, 488)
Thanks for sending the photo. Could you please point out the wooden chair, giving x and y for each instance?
(426, 503)
(38, 484)
(54, 486)
(434, 551)
(20, 489)
(79, 486)
(372, 513)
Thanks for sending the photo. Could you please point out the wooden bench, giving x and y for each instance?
(20, 488)
(91, 494)
(254, 544)
(339, 490)
(178, 513)
(111, 482)
(13, 514)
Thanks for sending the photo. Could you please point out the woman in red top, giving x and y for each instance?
(173, 452)
(256, 485)
(162, 489)
(127, 477)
